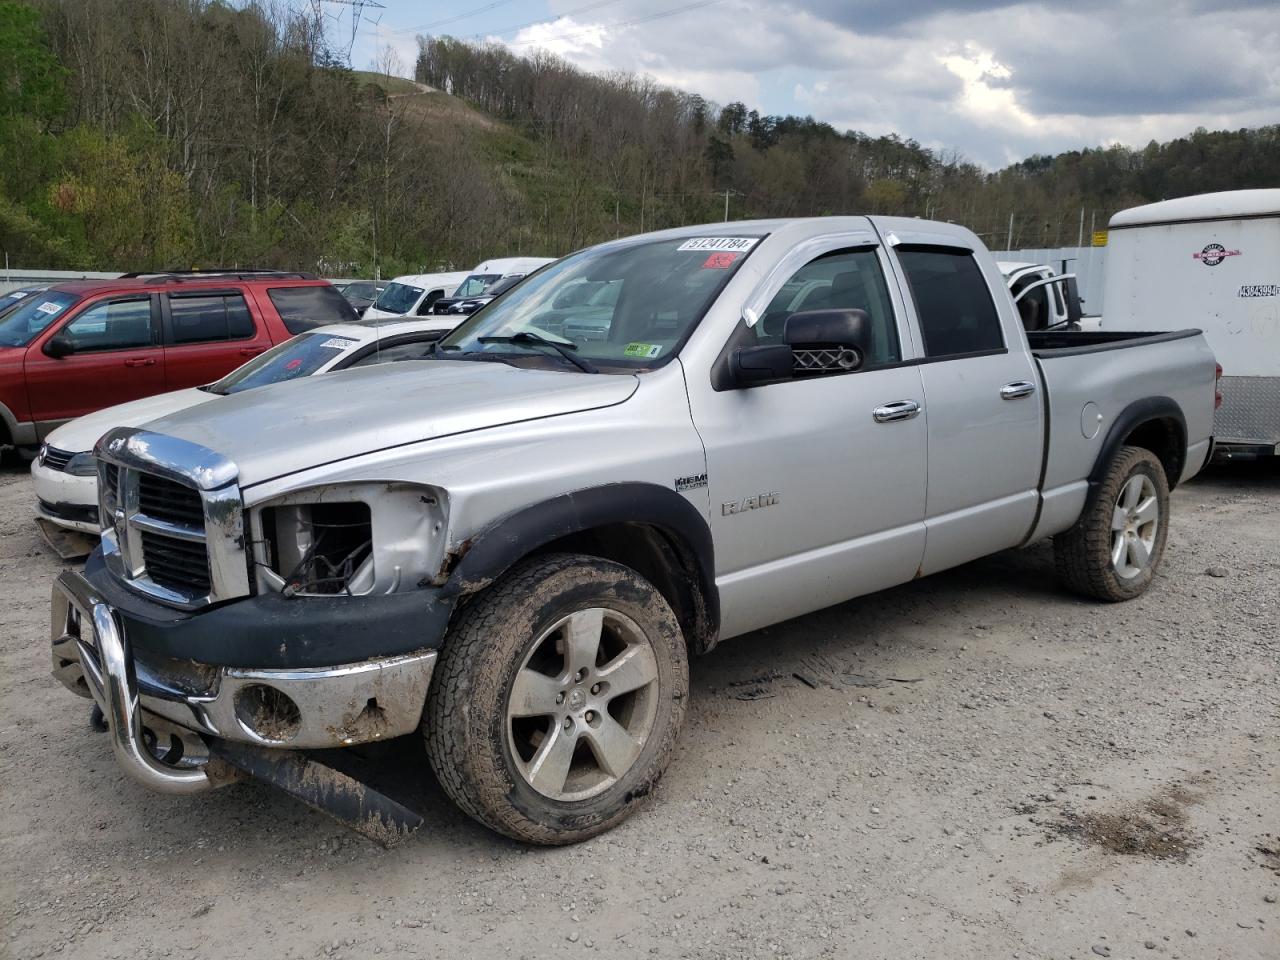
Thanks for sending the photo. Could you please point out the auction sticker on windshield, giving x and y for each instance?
(739, 244)
(49, 308)
(646, 350)
(338, 343)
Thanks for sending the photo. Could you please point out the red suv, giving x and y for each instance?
(80, 346)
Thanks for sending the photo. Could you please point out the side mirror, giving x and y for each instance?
(829, 328)
(59, 347)
(750, 366)
(828, 341)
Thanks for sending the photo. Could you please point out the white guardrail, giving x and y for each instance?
(15, 278)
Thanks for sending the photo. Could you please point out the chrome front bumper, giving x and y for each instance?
(307, 708)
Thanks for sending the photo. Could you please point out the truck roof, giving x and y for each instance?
(1227, 205)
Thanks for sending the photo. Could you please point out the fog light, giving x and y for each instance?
(266, 713)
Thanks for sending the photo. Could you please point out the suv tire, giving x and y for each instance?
(557, 699)
(1114, 548)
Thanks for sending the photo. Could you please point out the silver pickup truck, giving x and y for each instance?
(514, 546)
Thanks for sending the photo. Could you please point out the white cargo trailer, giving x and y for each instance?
(1213, 259)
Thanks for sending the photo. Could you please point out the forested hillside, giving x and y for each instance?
(160, 133)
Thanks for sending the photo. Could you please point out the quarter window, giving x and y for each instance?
(957, 314)
(843, 280)
(114, 325)
(304, 308)
(208, 318)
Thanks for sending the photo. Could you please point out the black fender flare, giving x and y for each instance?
(483, 558)
(1136, 414)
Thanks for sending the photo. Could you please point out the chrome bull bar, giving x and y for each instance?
(105, 668)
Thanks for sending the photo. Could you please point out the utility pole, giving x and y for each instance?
(1080, 235)
(1008, 244)
(726, 206)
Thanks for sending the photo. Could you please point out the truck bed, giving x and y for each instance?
(1067, 343)
(1092, 381)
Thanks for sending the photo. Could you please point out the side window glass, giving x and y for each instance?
(115, 325)
(843, 280)
(1033, 308)
(957, 314)
(239, 319)
(209, 318)
(424, 308)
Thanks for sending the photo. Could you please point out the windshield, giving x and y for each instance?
(476, 284)
(398, 298)
(363, 290)
(299, 357)
(642, 299)
(29, 318)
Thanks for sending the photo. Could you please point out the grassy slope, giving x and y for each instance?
(513, 157)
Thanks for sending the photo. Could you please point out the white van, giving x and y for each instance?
(413, 295)
(1215, 260)
(489, 272)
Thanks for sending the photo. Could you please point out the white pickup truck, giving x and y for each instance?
(513, 547)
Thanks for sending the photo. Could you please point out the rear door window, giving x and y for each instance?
(209, 318)
(304, 308)
(953, 303)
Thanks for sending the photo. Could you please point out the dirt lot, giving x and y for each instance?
(975, 765)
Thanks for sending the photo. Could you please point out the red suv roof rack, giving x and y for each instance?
(229, 273)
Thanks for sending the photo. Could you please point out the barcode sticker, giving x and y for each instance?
(338, 343)
(708, 244)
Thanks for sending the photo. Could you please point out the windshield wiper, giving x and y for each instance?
(564, 349)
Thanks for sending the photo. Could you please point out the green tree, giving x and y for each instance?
(31, 78)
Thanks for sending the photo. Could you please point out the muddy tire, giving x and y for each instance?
(557, 699)
(1113, 550)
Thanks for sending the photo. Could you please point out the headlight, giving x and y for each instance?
(349, 539)
(82, 465)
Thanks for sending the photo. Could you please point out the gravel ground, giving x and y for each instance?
(974, 765)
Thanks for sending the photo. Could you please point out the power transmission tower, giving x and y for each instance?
(358, 8)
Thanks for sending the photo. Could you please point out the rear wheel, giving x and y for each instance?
(557, 699)
(1113, 550)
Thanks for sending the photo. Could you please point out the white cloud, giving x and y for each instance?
(997, 79)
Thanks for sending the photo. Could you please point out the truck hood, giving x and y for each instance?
(83, 432)
(287, 427)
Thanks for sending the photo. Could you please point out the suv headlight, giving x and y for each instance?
(349, 539)
(82, 465)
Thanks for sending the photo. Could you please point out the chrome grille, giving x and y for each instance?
(169, 501)
(177, 564)
(173, 524)
(56, 459)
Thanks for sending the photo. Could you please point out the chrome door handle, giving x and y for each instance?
(898, 410)
(1017, 390)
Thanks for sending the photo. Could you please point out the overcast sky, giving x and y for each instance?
(995, 80)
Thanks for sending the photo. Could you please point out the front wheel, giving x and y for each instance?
(1114, 548)
(557, 699)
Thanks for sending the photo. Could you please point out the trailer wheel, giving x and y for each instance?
(1114, 548)
(557, 699)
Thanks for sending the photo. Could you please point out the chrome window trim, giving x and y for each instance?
(212, 477)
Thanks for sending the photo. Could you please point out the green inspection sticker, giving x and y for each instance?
(646, 350)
